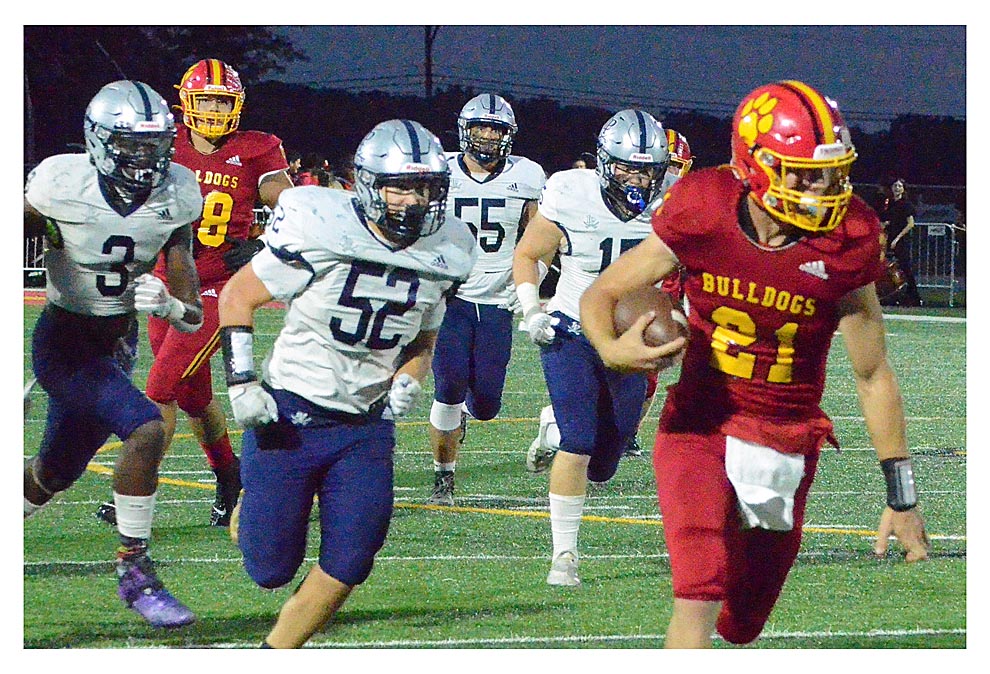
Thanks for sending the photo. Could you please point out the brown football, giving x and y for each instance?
(664, 327)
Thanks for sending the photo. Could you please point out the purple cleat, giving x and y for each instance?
(141, 591)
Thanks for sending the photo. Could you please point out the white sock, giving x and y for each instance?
(30, 508)
(134, 514)
(565, 520)
(445, 467)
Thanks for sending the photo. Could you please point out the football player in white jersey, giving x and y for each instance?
(107, 215)
(495, 193)
(366, 275)
(547, 439)
(599, 213)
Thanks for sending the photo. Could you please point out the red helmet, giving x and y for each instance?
(212, 96)
(680, 154)
(792, 146)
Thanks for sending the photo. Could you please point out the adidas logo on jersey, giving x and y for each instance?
(513, 187)
(235, 160)
(164, 214)
(209, 292)
(439, 262)
(816, 268)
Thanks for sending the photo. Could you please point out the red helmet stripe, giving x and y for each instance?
(215, 71)
(820, 111)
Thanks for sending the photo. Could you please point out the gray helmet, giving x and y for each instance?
(635, 140)
(487, 110)
(130, 136)
(403, 154)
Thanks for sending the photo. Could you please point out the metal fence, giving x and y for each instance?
(938, 258)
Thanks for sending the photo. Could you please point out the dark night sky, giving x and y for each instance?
(874, 72)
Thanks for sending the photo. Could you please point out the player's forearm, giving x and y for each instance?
(241, 297)
(883, 411)
(417, 357)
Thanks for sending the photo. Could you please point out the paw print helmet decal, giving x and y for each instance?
(792, 146)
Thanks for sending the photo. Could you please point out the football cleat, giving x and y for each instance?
(542, 449)
(142, 592)
(443, 489)
(563, 569)
(632, 448)
(539, 458)
(107, 512)
(228, 491)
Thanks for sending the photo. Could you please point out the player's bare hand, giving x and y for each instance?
(909, 528)
(629, 353)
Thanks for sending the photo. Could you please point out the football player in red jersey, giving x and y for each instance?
(777, 254)
(234, 169)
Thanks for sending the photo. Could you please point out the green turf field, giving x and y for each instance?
(473, 576)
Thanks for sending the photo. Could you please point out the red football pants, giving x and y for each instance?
(181, 370)
(712, 558)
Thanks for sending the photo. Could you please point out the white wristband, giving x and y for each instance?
(529, 298)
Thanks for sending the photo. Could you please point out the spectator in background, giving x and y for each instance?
(585, 160)
(897, 219)
(345, 172)
(310, 162)
(295, 162)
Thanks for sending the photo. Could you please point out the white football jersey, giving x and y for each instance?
(492, 206)
(595, 237)
(93, 254)
(353, 302)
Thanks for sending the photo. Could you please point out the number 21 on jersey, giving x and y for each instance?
(734, 332)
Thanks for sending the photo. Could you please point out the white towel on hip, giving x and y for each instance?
(765, 481)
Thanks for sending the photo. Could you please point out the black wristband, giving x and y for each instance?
(237, 345)
(899, 475)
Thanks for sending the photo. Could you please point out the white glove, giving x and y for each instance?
(151, 297)
(540, 328)
(252, 405)
(511, 302)
(403, 394)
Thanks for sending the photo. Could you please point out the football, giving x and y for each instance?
(664, 328)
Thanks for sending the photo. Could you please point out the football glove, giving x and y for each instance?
(540, 328)
(511, 302)
(241, 252)
(252, 405)
(402, 397)
(152, 297)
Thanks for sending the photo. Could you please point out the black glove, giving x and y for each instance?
(241, 252)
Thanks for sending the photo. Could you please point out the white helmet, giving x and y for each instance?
(635, 140)
(129, 135)
(487, 110)
(404, 154)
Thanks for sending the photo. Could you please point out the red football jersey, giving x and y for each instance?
(229, 181)
(761, 319)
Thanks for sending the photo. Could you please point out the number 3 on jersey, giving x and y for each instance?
(736, 330)
(217, 209)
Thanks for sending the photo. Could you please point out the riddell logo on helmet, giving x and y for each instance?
(639, 156)
(421, 168)
(149, 126)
